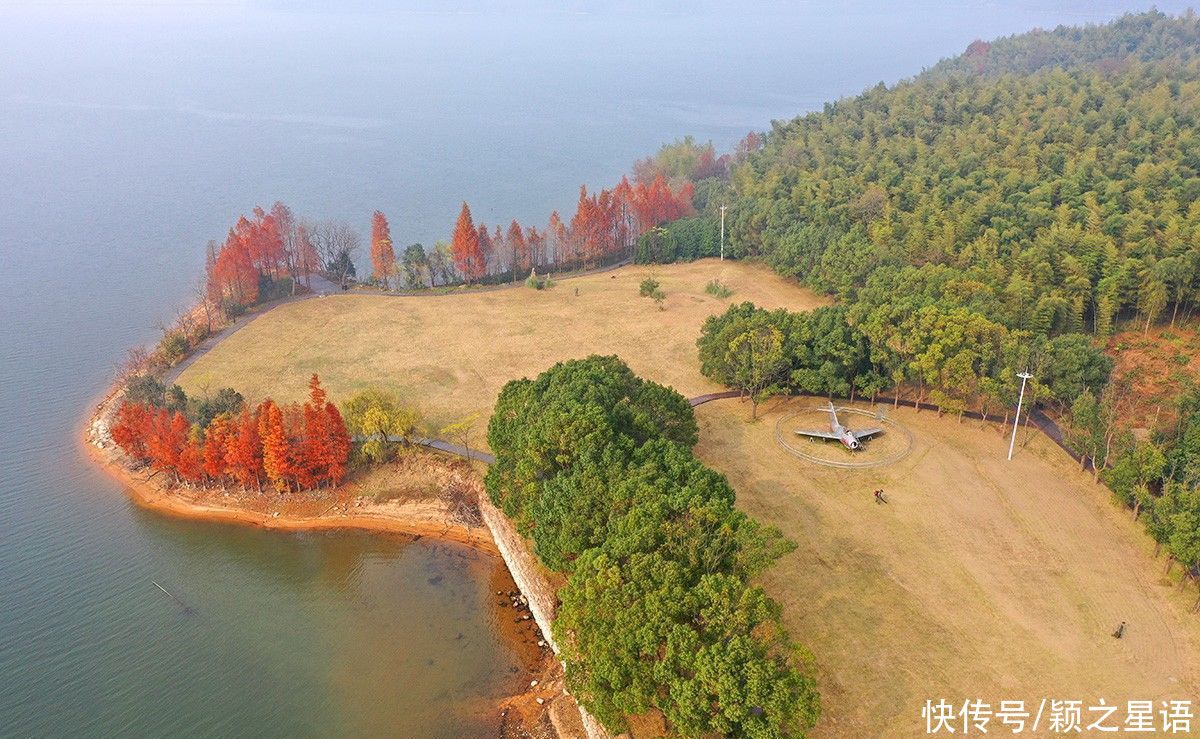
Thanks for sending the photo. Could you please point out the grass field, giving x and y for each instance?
(449, 356)
(981, 579)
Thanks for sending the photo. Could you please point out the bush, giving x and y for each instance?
(174, 347)
(539, 283)
(648, 287)
(716, 289)
(145, 390)
(231, 308)
(204, 410)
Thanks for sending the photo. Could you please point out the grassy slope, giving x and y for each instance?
(450, 355)
(981, 578)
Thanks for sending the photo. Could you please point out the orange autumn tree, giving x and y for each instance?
(383, 256)
(292, 447)
(464, 248)
(131, 429)
(486, 248)
(519, 248)
(244, 453)
(217, 438)
(277, 449)
(191, 458)
(326, 444)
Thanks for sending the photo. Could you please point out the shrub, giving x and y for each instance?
(539, 283)
(145, 390)
(648, 287)
(174, 346)
(231, 308)
(717, 289)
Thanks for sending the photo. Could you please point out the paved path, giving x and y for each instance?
(1044, 423)
(457, 449)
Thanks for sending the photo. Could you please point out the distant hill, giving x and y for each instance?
(1048, 181)
(1145, 37)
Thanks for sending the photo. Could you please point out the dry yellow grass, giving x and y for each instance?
(980, 579)
(449, 355)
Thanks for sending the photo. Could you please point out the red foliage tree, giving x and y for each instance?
(515, 241)
(168, 435)
(486, 249)
(217, 438)
(131, 428)
(464, 248)
(277, 450)
(535, 246)
(244, 452)
(383, 256)
(338, 444)
(191, 460)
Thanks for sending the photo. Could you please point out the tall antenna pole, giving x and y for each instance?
(722, 233)
(1017, 421)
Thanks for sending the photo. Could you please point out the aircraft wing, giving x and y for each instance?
(867, 433)
(818, 434)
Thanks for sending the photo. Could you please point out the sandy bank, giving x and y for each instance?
(300, 512)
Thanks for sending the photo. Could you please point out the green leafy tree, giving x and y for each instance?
(756, 362)
(377, 419)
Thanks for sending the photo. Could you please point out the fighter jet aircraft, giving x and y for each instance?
(850, 439)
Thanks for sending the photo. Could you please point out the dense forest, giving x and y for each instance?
(1004, 211)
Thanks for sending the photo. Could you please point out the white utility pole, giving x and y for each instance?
(722, 233)
(1017, 421)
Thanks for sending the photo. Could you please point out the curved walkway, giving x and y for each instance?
(1044, 423)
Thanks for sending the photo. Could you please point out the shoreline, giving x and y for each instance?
(517, 708)
(414, 519)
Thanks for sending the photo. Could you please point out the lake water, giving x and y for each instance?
(131, 134)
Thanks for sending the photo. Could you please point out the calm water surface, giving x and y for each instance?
(132, 134)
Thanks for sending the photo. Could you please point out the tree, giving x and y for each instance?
(376, 418)
(339, 444)
(1132, 473)
(276, 446)
(244, 452)
(441, 264)
(131, 429)
(469, 260)
(417, 267)
(756, 361)
(336, 243)
(383, 256)
(515, 239)
(217, 439)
